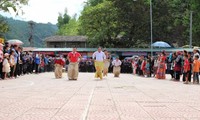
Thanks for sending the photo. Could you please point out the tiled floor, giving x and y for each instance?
(41, 97)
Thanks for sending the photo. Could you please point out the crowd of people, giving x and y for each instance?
(14, 62)
(180, 65)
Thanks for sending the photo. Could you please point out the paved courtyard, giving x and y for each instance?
(41, 97)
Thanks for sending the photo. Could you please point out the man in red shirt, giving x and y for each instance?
(73, 58)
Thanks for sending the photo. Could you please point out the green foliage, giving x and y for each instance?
(111, 23)
(133, 19)
(15, 4)
(100, 23)
(69, 29)
(63, 19)
(94, 2)
(3, 25)
(21, 30)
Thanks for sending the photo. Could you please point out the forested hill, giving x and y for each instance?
(21, 30)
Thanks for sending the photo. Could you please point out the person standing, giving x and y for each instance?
(20, 59)
(196, 67)
(186, 69)
(106, 63)
(161, 67)
(46, 61)
(178, 66)
(155, 67)
(16, 57)
(1, 62)
(12, 64)
(116, 67)
(99, 58)
(190, 59)
(6, 65)
(37, 63)
(143, 65)
(73, 67)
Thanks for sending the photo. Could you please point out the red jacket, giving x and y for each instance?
(59, 61)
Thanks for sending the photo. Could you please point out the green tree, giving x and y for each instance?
(15, 4)
(100, 24)
(133, 16)
(4, 5)
(128, 22)
(63, 19)
(70, 29)
(3, 25)
(94, 2)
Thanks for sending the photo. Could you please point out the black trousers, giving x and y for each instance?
(1, 73)
(36, 68)
(177, 75)
(172, 73)
(29, 68)
(20, 69)
(189, 75)
(16, 70)
(12, 71)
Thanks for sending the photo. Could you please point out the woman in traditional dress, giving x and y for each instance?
(161, 67)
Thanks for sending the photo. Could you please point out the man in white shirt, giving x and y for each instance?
(116, 67)
(99, 58)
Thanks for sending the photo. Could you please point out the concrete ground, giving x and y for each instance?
(41, 97)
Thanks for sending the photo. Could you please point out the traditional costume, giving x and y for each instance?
(161, 69)
(116, 67)
(73, 65)
(99, 63)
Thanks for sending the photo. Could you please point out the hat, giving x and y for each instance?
(195, 48)
(6, 54)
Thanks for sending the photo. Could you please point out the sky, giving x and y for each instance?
(44, 11)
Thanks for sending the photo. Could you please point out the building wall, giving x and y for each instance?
(65, 44)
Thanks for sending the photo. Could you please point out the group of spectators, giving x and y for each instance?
(14, 62)
(180, 64)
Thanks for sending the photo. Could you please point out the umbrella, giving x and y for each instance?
(15, 42)
(160, 44)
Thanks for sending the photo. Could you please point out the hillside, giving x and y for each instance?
(21, 30)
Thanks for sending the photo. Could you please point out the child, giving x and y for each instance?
(148, 68)
(196, 66)
(143, 66)
(12, 64)
(186, 69)
(6, 65)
